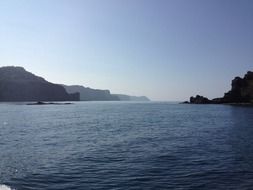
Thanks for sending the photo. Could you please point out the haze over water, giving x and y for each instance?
(120, 145)
(163, 49)
(167, 50)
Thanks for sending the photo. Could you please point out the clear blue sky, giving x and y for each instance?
(164, 49)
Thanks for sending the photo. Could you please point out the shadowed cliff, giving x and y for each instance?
(89, 94)
(241, 92)
(17, 84)
(124, 97)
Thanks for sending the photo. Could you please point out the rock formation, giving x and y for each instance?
(241, 92)
(123, 97)
(89, 94)
(16, 84)
(48, 103)
(199, 100)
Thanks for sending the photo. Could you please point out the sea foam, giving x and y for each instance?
(4, 187)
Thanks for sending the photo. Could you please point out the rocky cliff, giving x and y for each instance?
(17, 84)
(241, 92)
(200, 100)
(124, 97)
(89, 94)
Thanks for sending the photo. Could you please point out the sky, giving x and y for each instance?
(167, 50)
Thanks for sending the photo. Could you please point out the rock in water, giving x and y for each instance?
(241, 92)
(199, 100)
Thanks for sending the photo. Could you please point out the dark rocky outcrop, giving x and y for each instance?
(89, 94)
(48, 103)
(123, 97)
(16, 84)
(199, 100)
(240, 93)
(185, 102)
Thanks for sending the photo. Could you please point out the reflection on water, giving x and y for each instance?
(241, 137)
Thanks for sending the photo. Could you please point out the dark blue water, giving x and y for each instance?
(101, 145)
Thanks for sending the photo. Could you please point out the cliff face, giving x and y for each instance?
(88, 94)
(16, 84)
(124, 97)
(200, 100)
(241, 92)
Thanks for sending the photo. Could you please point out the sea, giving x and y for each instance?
(126, 146)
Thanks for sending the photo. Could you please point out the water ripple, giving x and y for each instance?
(126, 146)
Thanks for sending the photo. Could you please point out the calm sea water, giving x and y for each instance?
(117, 145)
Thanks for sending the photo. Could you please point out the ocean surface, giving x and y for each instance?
(126, 145)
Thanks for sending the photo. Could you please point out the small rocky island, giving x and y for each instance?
(48, 103)
(240, 93)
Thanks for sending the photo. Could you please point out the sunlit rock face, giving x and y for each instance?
(17, 84)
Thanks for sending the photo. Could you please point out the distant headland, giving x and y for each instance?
(17, 84)
(240, 93)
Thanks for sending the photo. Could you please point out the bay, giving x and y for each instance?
(126, 145)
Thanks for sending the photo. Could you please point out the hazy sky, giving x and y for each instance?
(164, 49)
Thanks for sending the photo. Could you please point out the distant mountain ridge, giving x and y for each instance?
(89, 94)
(124, 97)
(18, 74)
(17, 84)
